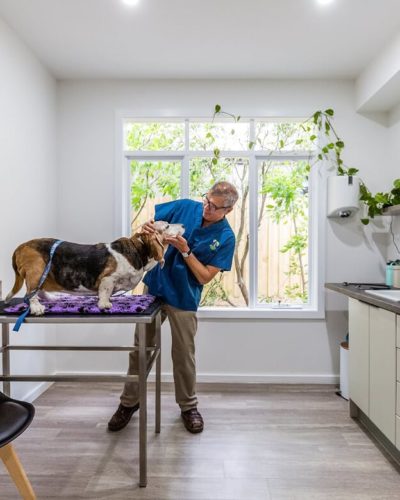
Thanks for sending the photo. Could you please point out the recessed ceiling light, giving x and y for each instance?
(324, 2)
(131, 3)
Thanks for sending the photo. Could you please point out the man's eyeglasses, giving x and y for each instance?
(211, 206)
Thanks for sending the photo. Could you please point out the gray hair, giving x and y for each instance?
(227, 190)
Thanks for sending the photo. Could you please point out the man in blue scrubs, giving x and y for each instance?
(192, 260)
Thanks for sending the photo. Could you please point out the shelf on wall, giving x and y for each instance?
(394, 210)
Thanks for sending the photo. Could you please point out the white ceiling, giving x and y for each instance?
(204, 38)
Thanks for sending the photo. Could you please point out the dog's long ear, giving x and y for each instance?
(156, 247)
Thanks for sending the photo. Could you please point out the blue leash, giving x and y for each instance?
(28, 296)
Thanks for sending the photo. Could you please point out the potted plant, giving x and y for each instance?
(379, 203)
(332, 151)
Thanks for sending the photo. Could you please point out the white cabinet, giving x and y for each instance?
(372, 364)
(382, 355)
(398, 386)
(359, 354)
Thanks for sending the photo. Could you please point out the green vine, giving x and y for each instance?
(378, 202)
(375, 203)
(333, 149)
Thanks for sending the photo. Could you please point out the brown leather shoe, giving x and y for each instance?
(192, 420)
(121, 417)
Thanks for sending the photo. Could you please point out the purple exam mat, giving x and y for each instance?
(81, 304)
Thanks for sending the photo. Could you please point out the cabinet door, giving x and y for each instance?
(382, 402)
(359, 354)
(398, 330)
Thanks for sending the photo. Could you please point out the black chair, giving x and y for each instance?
(15, 417)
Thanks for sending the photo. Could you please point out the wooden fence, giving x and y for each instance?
(273, 265)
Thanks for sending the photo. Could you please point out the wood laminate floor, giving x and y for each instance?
(260, 442)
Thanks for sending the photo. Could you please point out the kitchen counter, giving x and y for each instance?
(356, 293)
(374, 363)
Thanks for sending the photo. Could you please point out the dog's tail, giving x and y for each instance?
(19, 280)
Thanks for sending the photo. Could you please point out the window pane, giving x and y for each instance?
(159, 136)
(224, 136)
(152, 182)
(283, 232)
(281, 136)
(231, 288)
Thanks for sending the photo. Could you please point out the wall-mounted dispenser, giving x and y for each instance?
(343, 195)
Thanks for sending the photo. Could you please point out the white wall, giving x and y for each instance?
(377, 87)
(28, 176)
(268, 350)
(394, 147)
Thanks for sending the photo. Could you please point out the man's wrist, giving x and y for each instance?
(185, 255)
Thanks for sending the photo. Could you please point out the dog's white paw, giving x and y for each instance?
(8, 298)
(37, 309)
(104, 304)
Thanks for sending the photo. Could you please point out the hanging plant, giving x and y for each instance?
(375, 203)
(332, 150)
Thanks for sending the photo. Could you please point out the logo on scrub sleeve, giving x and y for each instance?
(214, 245)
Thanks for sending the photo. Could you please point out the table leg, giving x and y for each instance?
(143, 407)
(5, 331)
(158, 372)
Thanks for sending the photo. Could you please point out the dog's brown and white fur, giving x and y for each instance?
(100, 269)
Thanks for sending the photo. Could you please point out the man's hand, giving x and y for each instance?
(178, 242)
(148, 227)
(204, 274)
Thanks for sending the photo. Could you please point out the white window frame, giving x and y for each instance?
(317, 215)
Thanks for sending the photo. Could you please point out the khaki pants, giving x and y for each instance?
(183, 330)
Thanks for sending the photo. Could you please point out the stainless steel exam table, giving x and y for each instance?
(151, 315)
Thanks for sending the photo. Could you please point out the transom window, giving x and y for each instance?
(268, 160)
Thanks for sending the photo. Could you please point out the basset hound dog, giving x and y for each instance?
(99, 269)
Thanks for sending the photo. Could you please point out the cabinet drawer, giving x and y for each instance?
(397, 432)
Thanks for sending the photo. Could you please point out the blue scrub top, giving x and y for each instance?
(213, 245)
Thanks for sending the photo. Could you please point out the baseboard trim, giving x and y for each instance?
(37, 391)
(384, 444)
(266, 379)
(233, 378)
(209, 378)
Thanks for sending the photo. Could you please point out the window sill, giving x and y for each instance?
(210, 313)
